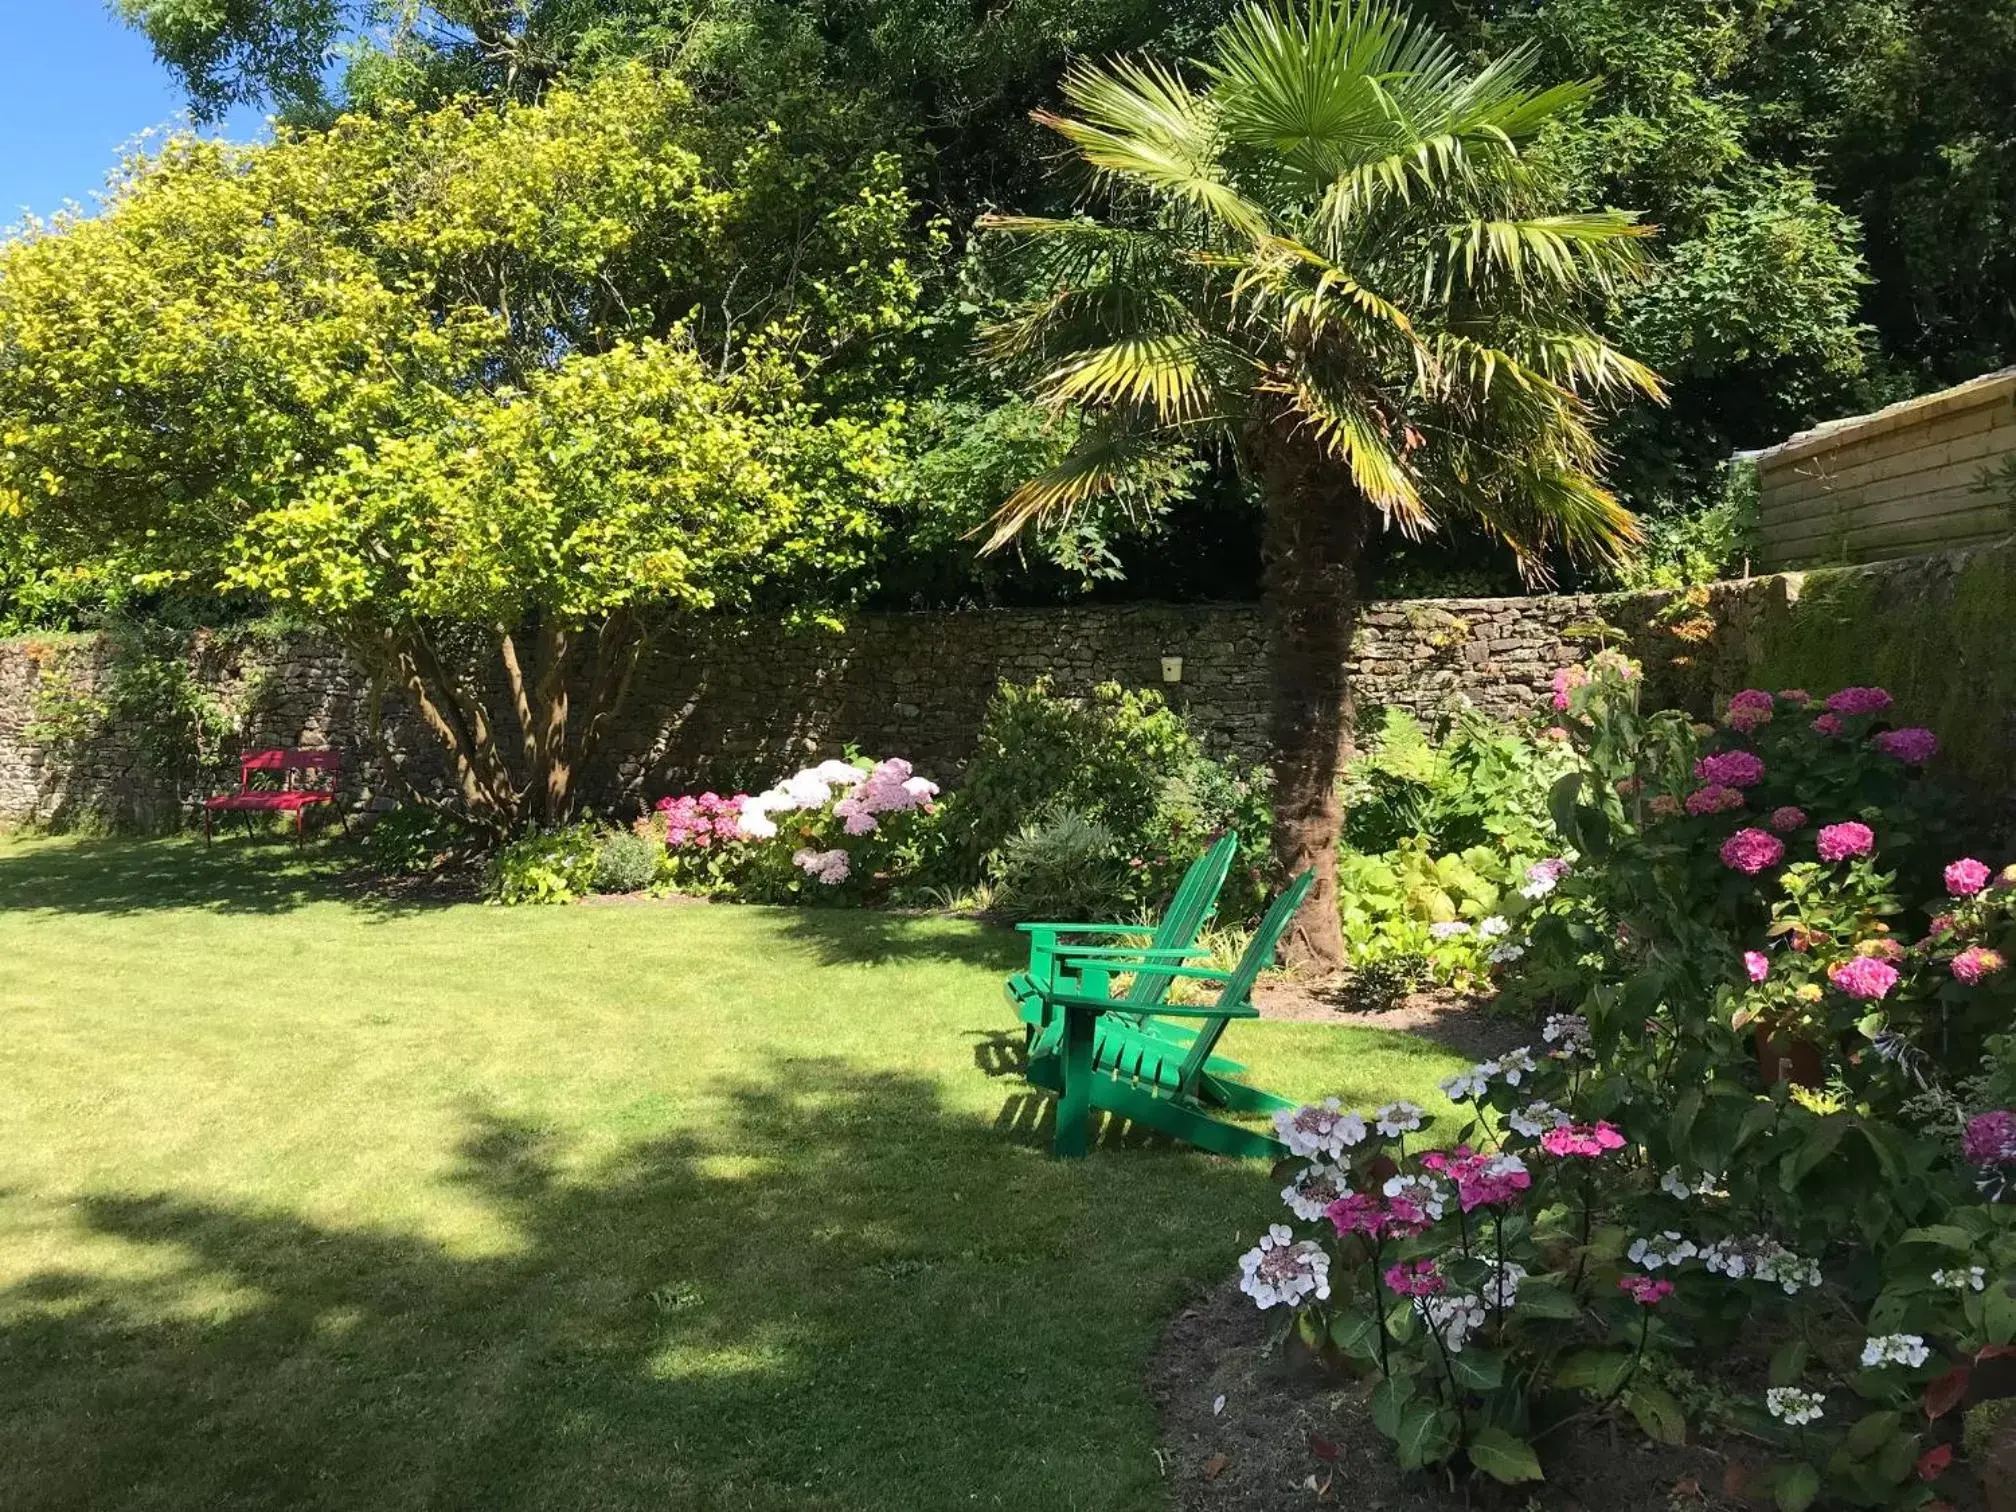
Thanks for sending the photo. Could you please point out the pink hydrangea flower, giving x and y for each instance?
(1828, 726)
(1415, 1278)
(1490, 1181)
(1756, 964)
(1566, 681)
(1712, 800)
(1751, 698)
(1665, 806)
(1743, 721)
(1858, 701)
(1976, 962)
(1583, 1140)
(1644, 1290)
(1797, 696)
(1840, 842)
(1863, 977)
(1787, 819)
(1750, 851)
(1736, 769)
(1914, 746)
(1990, 1139)
(1355, 1213)
(1966, 877)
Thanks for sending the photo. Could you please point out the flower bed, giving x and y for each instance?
(1769, 1103)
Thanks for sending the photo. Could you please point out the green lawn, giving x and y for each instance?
(313, 1202)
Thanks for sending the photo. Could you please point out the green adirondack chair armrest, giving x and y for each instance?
(1162, 1010)
(1045, 928)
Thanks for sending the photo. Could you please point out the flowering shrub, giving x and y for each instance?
(1773, 1102)
(840, 830)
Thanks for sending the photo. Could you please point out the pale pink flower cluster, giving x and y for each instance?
(1828, 726)
(1319, 1130)
(890, 788)
(1735, 769)
(1566, 681)
(1787, 819)
(1312, 1191)
(829, 868)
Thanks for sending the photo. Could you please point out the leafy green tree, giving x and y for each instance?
(1333, 252)
(487, 391)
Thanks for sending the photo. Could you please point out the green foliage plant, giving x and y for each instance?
(545, 866)
(1063, 867)
(625, 862)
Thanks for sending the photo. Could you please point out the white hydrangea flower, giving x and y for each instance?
(1502, 1291)
(1761, 1258)
(807, 789)
(1424, 1192)
(1660, 1250)
(1568, 1033)
(1894, 1349)
(837, 774)
(1514, 1065)
(1472, 1083)
(1542, 877)
(1536, 1118)
(1398, 1118)
(1314, 1188)
(1502, 955)
(1448, 929)
(1791, 1405)
(1319, 1130)
(1676, 1183)
(1494, 926)
(1284, 1270)
(1973, 1278)
(1453, 1317)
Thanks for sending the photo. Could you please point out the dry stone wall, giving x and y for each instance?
(739, 704)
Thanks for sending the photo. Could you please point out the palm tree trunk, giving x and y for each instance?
(1317, 527)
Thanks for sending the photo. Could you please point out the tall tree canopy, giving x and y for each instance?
(1327, 244)
(486, 390)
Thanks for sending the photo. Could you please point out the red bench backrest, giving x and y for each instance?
(287, 763)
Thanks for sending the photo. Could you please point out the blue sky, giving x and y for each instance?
(74, 85)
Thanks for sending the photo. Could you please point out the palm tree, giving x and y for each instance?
(1336, 251)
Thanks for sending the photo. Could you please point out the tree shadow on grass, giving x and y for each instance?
(234, 875)
(876, 937)
(843, 1298)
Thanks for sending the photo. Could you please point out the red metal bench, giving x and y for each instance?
(290, 794)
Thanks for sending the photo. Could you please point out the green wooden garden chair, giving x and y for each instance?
(1173, 1083)
(1058, 965)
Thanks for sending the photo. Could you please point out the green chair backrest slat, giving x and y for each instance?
(1258, 957)
(1189, 910)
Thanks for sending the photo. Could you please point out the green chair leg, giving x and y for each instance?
(1074, 1104)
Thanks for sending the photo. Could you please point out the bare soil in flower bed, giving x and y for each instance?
(1289, 1436)
(1465, 1022)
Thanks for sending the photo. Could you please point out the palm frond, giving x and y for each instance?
(1171, 375)
(1543, 506)
(1105, 459)
(1350, 432)
(1601, 249)
(1141, 122)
